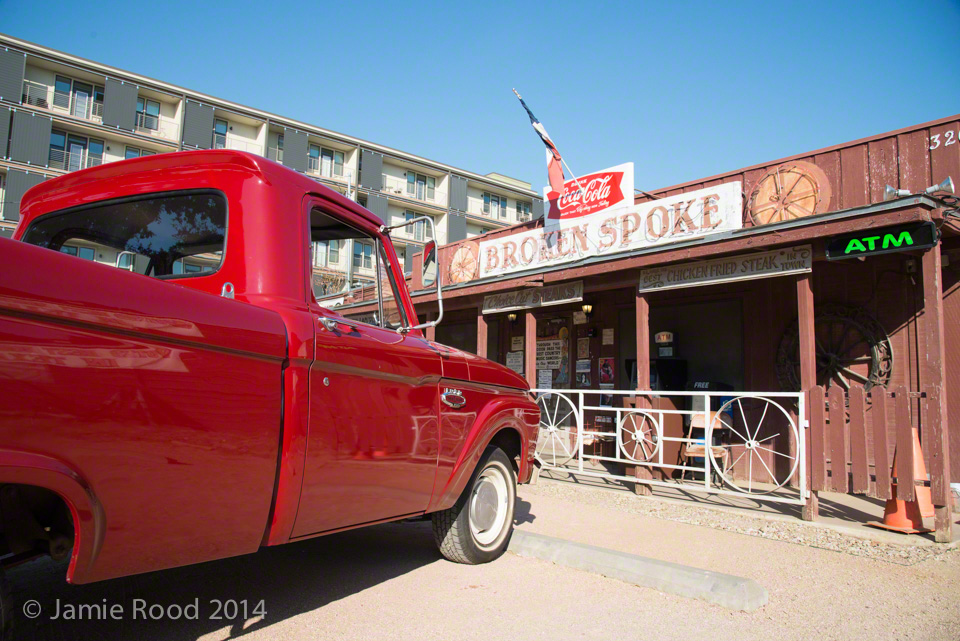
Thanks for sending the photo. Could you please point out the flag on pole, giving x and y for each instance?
(554, 161)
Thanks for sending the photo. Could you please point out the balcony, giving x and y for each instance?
(475, 207)
(221, 141)
(325, 169)
(413, 191)
(157, 127)
(78, 105)
(72, 160)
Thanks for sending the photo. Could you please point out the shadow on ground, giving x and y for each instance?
(290, 579)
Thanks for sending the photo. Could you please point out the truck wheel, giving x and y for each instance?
(478, 527)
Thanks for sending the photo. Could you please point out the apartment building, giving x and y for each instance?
(61, 113)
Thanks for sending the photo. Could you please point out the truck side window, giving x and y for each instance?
(348, 265)
(173, 235)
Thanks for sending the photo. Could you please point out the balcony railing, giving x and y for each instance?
(327, 169)
(221, 141)
(413, 191)
(43, 96)
(158, 126)
(73, 160)
(475, 206)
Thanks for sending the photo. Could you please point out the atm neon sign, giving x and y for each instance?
(882, 241)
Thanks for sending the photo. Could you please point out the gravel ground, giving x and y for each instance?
(798, 532)
(389, 582)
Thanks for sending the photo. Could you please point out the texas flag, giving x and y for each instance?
(554, 166)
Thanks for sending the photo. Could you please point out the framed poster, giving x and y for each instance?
(606, 368)
(516, 343)
(608, 336)
(583, 348)
(515, 362)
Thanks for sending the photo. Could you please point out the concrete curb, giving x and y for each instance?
(725, 590)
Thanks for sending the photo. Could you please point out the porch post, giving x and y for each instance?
(643, 380)
(808, 377)
(936, 428)
(481, 333)
(431, 333)
(530, 347)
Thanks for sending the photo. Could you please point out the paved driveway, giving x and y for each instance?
(388, 582)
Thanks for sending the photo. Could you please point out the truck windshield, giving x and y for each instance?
(164, 235)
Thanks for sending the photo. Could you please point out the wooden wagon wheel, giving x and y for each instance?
(789, 191)
(465, 265)
(851, 348)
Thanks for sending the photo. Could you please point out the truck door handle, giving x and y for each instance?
(334, 325)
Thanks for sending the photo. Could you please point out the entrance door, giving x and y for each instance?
(76, 150)
(82, 96)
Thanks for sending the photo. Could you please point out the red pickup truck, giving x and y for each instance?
(192, 400)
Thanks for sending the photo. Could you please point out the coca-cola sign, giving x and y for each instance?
(585, 195)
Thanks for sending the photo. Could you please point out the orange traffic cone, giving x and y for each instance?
(907, 516)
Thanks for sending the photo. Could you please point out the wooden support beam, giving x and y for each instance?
(431, 332)
(481, 333)
(643, 381)
(808, 377)
(530, 347)
(936, 436)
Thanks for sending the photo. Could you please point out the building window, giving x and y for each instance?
(82, 252)
(61, 92)
(71, 152)
(362, 255)
(418, 231)
(494, 205)
(421, 187)
(133, 152)
(523, 211)
(148, 114)
(333, 252)
(279, 154)
(219, 134)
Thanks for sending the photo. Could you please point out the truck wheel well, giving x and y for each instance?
(508, 440)
(34, 521)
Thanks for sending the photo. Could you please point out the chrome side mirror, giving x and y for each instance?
(431, 272)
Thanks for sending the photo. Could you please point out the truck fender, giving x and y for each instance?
(89, 521)
(497, 415)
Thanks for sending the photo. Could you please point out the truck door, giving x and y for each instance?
(374, 396)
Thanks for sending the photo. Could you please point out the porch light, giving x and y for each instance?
(512, 317)
(587, 308)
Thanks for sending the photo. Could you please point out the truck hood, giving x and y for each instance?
(461, 365)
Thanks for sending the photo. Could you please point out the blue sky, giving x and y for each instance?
(684, 90)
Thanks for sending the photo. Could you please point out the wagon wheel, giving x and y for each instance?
(851, 346)
(559, 438)
(465, 264)
(789, 191)
(639, 436)
(750, 446)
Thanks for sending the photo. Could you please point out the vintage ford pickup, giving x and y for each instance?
(181, 395)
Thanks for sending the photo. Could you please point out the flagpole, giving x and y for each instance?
(573, 175)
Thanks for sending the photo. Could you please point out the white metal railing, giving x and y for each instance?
(752, 445)
(43, 96)
(221, 141)
(413, 191)
(475, 206)
(326, 169)
(73, 160)
(159, 126)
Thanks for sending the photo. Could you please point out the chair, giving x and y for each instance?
(699, 450)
